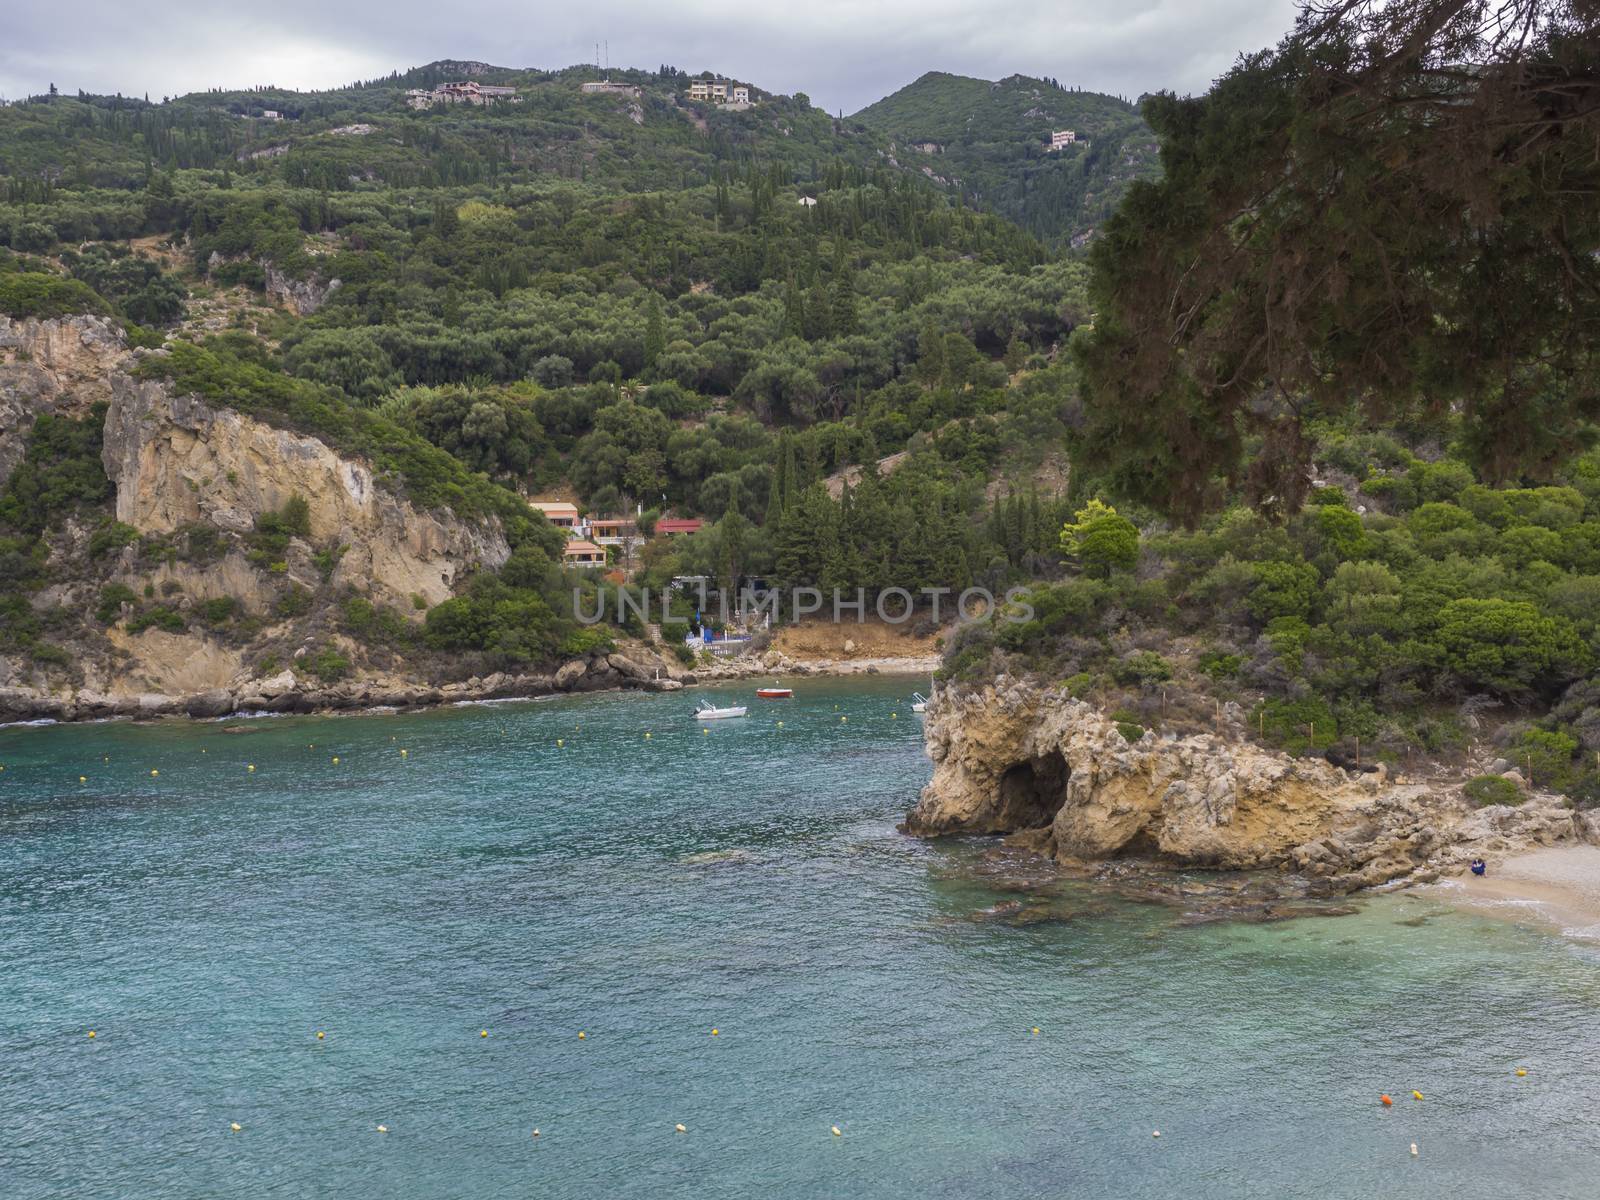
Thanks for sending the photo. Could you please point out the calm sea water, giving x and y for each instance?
(207, 921)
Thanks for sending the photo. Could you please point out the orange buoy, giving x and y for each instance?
(1386, 1101)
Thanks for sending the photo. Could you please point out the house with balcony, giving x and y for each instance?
(1060, 139)
(560, 513)
(678, 526)
(613, 531)
(579, 553)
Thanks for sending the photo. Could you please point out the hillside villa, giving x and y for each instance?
(465, 92)
(720, 91)
(579, 553)
(1062, 138)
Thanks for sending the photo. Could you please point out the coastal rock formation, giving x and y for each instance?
(1060, 776)
(177, 461)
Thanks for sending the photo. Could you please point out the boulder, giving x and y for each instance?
(218, 702)
(570, 673)
(630, 668)
(283, 681)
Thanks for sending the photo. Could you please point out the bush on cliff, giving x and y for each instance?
(36, 294)
(1484, 790)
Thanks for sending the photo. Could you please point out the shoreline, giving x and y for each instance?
(1553, 887)
(25, 707)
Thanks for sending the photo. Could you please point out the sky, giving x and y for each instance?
(844, 54)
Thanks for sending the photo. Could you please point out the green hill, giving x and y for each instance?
(992, 140)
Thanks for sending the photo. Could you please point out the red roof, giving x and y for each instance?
(679, 525)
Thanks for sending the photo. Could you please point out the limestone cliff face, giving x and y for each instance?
(1014, 758)
(176, 460)
(57, 366)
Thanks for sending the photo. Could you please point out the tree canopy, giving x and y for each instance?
(1394, 214)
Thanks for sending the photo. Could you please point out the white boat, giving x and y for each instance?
(707, 711)
(919, 702)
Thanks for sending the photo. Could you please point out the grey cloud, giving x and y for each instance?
(843, 55)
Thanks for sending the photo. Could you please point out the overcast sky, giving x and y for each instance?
(842, 53)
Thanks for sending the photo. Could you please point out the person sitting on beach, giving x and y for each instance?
(1478, 866)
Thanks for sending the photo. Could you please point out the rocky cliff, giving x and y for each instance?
(177, 461)
(62, 366)
(1059, 776)
(189, 472)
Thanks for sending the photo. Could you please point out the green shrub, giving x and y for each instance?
(111, 535)
(328, 665)
(36, 294)
(1492, 789)
(295, 602)
(219, 611)
(160, 617)
(327, 560)
(1219, 665)
(683, 653)
(1131, 731)
(112, 597)
(586, 640)
(1141, 668)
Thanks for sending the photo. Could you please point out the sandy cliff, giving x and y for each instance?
(1055, 772)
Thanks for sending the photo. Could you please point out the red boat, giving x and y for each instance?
(774, 693)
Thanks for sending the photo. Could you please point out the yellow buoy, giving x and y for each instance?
(842, 720)
(1416, 1095)
(1035, 1031)
(91, 1034)
(336, 760)
(402, 754)
(713, 1033)
(581, 1035)
(319, 1035)
(680, 1129)
(780, 724)
(483, 1033)
(705, 731)
(535, 1133)
(153, 771)
(83, 779)
(1521, 1072)
(235, 1126)
(892, 716)
(559, 743)
(836, 1132)
(647, 737)
(251, 768)
(383, 1129)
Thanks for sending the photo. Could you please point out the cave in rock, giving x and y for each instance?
(1032, 792)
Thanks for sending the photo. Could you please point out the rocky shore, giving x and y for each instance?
(635, 667)
(1059, 778)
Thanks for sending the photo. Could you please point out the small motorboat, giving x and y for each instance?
(774, 692)
(919, 702)
(707, 711)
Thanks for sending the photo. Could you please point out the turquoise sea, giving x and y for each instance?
(207, 921)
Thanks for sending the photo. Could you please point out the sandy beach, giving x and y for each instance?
(1559, 886)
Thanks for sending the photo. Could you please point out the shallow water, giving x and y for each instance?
(207, 921)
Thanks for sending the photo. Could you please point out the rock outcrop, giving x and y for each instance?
(304, 296)
(61, 366)
(177, 461)
(1059, 775)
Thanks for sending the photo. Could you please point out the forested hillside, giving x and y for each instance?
(636, 300)
(991, 142)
